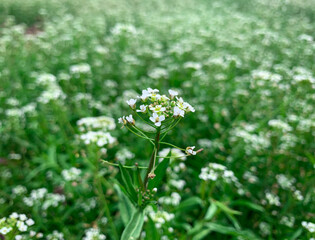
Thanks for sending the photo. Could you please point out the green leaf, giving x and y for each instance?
(296, 234)
(189, 203)
(151, 231)
(225, 208)
(125, 206)
(128, 183)
(222, 229)
(249, 205)
(248, 235)
(134, 227)
(202, 234)
(197, 227)
(159, 173)
(211, 211)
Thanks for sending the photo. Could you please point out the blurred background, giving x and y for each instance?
(246, 66)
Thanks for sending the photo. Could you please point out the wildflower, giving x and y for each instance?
(157, 119)
(145, 95)
(30, 222)
(158, 109)
(5, 230)
(22, 217)
(172, 93)
(164, 98)
(122, 120)
(178, 112)
(71, 174)
(21, 226)
(190, 150)
(132, 103)
(14, 215)
(130, 119)
(143, 108)
(80, 68)
(309, 226)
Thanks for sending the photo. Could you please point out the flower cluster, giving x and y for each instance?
(309, 226)
(160, 217)
(72, 174)
(95, 130)
(158, 108)
(44, 199)
(15, 225)
(93, 234)
(215, 171)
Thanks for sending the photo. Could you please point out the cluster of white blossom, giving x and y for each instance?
(215, 171)
(253, 142)
(16, 224)
(95, 130)
(287, 183)
(159, 108)
(92, 123)
(18, 191)
(281, 125)
(123, 154)
(55, 235)
(43, 198)
(309, 226)
(284, 181)
(160, 217)
(72, 174)
(82, 68)
(173, 200)
(121, 28)
(53, 90)
(93, 234)
(287, 221)
(272, 199)
(99, 137)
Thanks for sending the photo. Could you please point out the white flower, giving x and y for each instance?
(164, 98)
(23, 217)
(188, 107)
(150, 90)
(21, 226)
(130, 119)
(5, 230)
(172, 93)
(178, 112)
(190, 150)
(143, 108)
(122, 120)
(132, 103)
(14, 215)
(157, 119)
(145, 95)
(158, 109)
(18, 237)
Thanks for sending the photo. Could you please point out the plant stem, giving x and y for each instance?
(153, 157)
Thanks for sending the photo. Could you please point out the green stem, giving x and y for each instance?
(153, 157)
(116, 165)
(101, 195)
(165, 143)
(170, 128)
(138, 134)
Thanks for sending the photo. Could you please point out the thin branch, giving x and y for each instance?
(116, 165)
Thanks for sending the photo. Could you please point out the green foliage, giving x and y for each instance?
(134, 227)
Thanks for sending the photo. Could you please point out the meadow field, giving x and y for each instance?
(69, 169)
